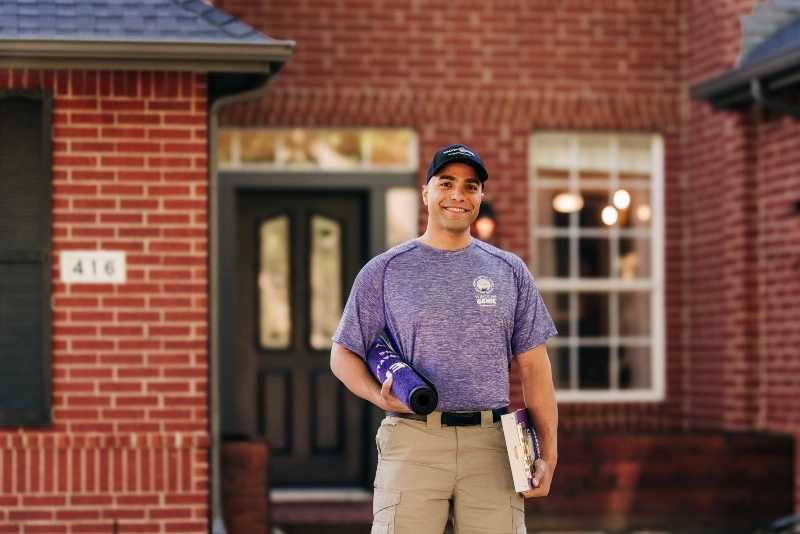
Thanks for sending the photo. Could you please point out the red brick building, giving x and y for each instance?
(105, 114)
(501, 77)
(677, 305)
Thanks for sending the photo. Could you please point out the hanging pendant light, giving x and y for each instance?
(568, 202)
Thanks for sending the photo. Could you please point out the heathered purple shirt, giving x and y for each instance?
(456, 315)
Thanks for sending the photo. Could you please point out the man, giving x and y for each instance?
(458, 310)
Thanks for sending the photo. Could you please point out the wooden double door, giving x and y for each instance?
(298, 255)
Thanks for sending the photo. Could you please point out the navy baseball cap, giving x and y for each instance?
(457, 154)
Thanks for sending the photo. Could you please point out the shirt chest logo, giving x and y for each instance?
(484, 288)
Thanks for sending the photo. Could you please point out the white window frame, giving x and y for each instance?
(654, 284)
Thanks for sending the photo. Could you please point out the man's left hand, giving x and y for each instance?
(542, 476)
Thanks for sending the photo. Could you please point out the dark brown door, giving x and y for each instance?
(299, 254)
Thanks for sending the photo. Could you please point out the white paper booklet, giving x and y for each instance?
(523, 447)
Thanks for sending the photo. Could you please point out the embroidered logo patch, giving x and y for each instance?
(484, 286)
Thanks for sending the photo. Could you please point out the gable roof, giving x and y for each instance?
(769, 61)
(762, 24)
(151, 20)
(123, 34)
(786, 38)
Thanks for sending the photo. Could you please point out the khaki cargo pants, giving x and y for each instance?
(427, 471)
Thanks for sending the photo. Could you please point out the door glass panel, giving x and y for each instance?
(326, 280)
(275, 322)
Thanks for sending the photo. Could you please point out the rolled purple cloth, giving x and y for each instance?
(409, 386)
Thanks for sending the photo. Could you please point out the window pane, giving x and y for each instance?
(546, 215)
(594, 257)
(594, 200)
(634, 258)
(639, 212)
(319, 148)
(224, 146)
(634, 368)
(257, 146)
(558, 307)
(389, 147)
(402, 214)
(634, 314)
(552, 257)
(273, 284)
(593, 314)
(593, 372)
(559, 362)
(594, 153)
(551, 152)
(326, 280)
(634, 156)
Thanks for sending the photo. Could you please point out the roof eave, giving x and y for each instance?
(732, 89)
(117, 54)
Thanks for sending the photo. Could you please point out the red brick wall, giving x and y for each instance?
(129, 440)
(779, 280)
(744, 255)
(488, 74)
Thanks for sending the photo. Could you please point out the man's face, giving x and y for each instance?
(453, 196)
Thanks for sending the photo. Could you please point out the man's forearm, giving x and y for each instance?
(540, 400)
(348, 367)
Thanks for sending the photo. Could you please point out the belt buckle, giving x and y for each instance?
(462, 419)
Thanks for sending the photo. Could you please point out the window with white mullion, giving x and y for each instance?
(636, 341)
(596, 241)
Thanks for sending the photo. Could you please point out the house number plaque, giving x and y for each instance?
(93, 267)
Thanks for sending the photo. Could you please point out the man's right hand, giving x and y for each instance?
(389, 402)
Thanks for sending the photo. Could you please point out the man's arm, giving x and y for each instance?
(540, 400)
(354, 374)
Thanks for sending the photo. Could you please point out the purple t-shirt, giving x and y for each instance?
(456, 315)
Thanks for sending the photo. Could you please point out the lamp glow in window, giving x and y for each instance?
(568, 203)
(644, 213)
(609, 215)
(622, 199)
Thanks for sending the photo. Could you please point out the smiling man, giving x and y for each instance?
(459, 310)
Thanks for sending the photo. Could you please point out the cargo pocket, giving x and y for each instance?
(384, 504)
(518, 514)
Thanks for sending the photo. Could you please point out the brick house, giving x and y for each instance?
(676, 366)
(106, 109)
(678, 314)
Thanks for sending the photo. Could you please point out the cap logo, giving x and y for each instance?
(459, 150)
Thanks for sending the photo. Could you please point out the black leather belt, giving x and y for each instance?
(454, 418)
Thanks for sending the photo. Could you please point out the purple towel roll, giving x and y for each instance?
(409, 386)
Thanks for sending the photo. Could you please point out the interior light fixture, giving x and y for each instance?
(609, 215)
(484, 225)
(622, 199)
(644, 212)
(568, 202)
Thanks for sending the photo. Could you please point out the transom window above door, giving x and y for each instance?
(318, 149)
(597, 242)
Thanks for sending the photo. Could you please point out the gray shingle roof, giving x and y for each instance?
(784, 39)
(139, 20)
(766, 21)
